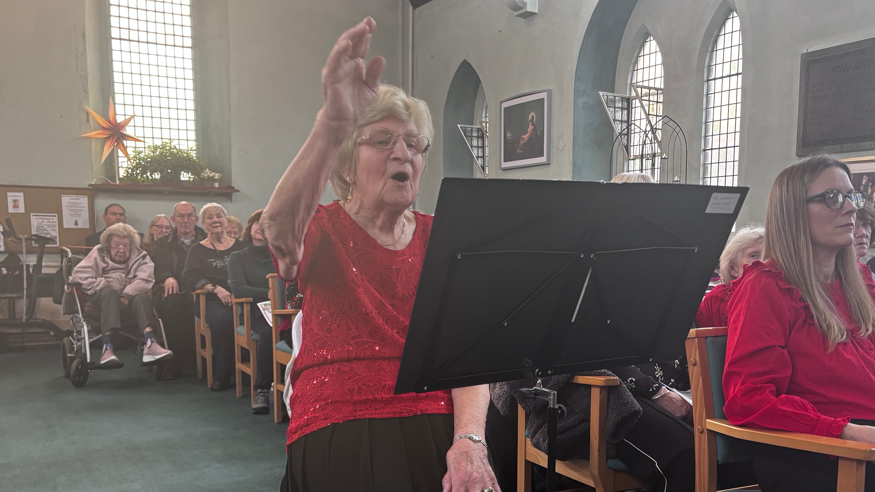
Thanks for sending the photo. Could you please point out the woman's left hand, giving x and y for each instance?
(468, 468)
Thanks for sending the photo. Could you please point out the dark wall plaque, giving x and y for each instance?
(837, 99)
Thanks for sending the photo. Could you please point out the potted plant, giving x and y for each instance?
(210, 177)
(163, 163)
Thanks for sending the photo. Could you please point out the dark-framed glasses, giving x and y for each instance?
(385, 140)
(835, 199)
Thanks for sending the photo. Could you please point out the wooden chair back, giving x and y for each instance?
(594, 471)
(203, 338)
(281, 357)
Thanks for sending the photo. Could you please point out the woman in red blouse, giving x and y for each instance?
(745, 248)
(358, 262)
(801, 349)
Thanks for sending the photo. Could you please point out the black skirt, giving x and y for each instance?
(405, 454)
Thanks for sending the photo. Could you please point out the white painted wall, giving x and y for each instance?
(511, 56)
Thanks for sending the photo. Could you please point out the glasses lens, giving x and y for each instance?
(416, 143)
(858, 199)
(834, 200)
(381, 139)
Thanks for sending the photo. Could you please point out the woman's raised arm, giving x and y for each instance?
(349, 86)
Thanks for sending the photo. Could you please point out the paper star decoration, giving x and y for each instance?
(113, 131)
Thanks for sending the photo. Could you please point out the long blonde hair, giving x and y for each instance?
(788, 244)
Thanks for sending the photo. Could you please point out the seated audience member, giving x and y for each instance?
(863, 222)
(632, 178)
(743, 249)
(800, 355)
(158, 228)
(174, 306)
(235, 227)
(117, 275)
(247, 274)
(112, 214)
(207, 268)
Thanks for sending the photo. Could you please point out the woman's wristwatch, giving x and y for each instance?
(473, 437)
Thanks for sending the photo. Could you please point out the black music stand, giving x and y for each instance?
(529, 278)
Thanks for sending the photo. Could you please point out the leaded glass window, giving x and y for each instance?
(723, 107)
(646, 110)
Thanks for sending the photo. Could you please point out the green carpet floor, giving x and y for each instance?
(126, 432)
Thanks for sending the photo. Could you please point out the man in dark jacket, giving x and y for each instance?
(175, 307)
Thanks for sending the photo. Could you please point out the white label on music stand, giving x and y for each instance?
(722, 203)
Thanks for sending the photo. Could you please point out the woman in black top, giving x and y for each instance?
(247, 273)
(207, 268)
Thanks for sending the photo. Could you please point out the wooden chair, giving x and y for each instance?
(718, 441)
(244, 339)
(598, 472)
(203, 339)
(282, 353)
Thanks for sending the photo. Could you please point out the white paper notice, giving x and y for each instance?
(15, 202)
(45, 225)
(266, 311)
(75, 211)
(2, 244)
(722, 203)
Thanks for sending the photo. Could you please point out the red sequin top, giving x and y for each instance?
(779, 372)
(714, 308)
(358, 298)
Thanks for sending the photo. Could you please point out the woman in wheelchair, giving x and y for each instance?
(800, 353)
(117, 277)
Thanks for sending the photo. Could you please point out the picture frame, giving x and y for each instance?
(526, 129)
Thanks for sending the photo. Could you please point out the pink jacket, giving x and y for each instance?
(97, 271)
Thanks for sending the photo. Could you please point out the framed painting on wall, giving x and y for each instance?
(526, 130)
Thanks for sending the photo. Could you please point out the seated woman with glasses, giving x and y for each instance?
(743, 249)
(117, 276)
(158, 228)
(800, 355)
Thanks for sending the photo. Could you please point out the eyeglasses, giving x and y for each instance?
(162, 227)
(385, 140)
(835, 199)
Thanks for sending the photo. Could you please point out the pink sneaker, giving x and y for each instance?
(108, 358)
(153, 351)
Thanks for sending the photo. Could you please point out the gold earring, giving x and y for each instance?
(349, 195)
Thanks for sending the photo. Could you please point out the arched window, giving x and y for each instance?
(647, 99)
(723, 107)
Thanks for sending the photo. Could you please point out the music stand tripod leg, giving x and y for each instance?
(554, 413)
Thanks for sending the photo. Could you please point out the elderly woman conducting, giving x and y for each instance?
(743, 249)
(358, 262)
(206, 267)
(117, 275)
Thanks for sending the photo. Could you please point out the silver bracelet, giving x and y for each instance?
(473, 437)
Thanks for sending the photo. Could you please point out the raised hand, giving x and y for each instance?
(349, 82)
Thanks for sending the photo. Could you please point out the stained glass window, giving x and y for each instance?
(152, 70)
(723, 107)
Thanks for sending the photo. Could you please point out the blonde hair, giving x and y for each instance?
(234, 223)
(632, 178)
(391, 101)
(788, 244)
(149, 238)
(120, 230)
(743, 239)
(211, 206)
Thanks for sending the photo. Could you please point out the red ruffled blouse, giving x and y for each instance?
(714, 310)
(358, 298)
(779, 373)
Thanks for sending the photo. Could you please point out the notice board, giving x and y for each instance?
(62, 211)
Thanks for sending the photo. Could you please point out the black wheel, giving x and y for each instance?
(79, 373)
(4, 343)
(68, 354)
